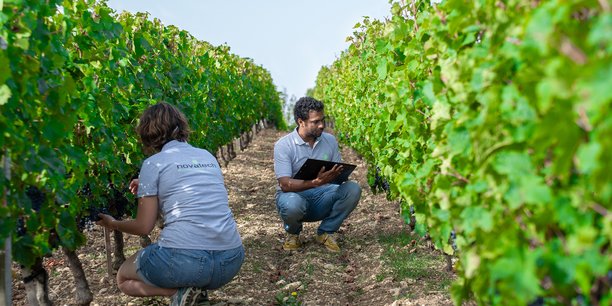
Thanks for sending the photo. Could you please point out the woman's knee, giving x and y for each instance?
(122, 276)
(127, 271)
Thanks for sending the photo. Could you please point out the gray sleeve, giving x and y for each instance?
(282, 160)
(148, 179)
(336, 150)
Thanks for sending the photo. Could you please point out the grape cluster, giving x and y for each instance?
(411, 217)
(36, 196)
(117, 206)
(453, 240)
(88, 219)
(21, 230)
(539, 301)
(380, 183)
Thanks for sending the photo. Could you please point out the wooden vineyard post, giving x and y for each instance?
(6, 279)
(107, 247)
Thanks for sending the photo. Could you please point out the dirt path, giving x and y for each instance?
(359, 275)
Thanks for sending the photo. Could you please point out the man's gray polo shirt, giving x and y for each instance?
(291, 152)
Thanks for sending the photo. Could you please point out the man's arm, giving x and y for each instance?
(287, 184)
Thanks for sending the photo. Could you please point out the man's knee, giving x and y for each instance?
(291, 206)
(352, 191)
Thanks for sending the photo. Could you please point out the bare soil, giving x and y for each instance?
(359, 275)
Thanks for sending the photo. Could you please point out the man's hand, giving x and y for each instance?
(134, 186)
(288, 184)
(328, 176)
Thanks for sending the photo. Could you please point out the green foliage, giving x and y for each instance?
(74, 77)
(284, 299)
(492, 119)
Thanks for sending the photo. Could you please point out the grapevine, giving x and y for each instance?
(491, 119)
(74, 78)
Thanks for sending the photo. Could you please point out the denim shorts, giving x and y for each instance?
(176, 268)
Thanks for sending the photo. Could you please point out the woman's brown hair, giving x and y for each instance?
(161, 123)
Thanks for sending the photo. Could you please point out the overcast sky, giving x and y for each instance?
(291, 39)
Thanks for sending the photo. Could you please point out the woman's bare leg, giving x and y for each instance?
(130, 284)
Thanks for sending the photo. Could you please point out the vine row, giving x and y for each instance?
(492, 119)
(74, 77)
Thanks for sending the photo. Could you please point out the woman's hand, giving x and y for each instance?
(134, 186)
(107, 221)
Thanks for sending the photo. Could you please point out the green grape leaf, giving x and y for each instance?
(588, 157)
(5, 94)
(476, 218)
(381, 69)
(513, 164)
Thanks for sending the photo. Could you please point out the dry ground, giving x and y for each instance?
(360, 275)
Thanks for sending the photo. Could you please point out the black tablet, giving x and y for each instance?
(311, 168)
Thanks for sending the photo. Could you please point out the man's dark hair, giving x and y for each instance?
(304, 105)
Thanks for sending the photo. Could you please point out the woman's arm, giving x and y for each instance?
(146, 216)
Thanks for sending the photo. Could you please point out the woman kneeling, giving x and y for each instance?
(199, 247)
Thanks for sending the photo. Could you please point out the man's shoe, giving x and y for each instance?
(329, 241)
(292, 242)
(190, 296)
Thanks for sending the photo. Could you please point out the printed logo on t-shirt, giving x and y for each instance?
(195, 165)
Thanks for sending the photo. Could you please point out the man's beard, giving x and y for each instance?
(316, 134)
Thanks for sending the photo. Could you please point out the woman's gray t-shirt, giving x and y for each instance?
(192, 198)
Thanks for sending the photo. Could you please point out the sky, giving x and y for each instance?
(291, 39)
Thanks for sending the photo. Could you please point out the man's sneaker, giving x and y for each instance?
(329, 241)
(189, 296)
(292, 242)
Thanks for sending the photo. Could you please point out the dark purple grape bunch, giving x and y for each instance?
(380, 182)
(36, 200)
